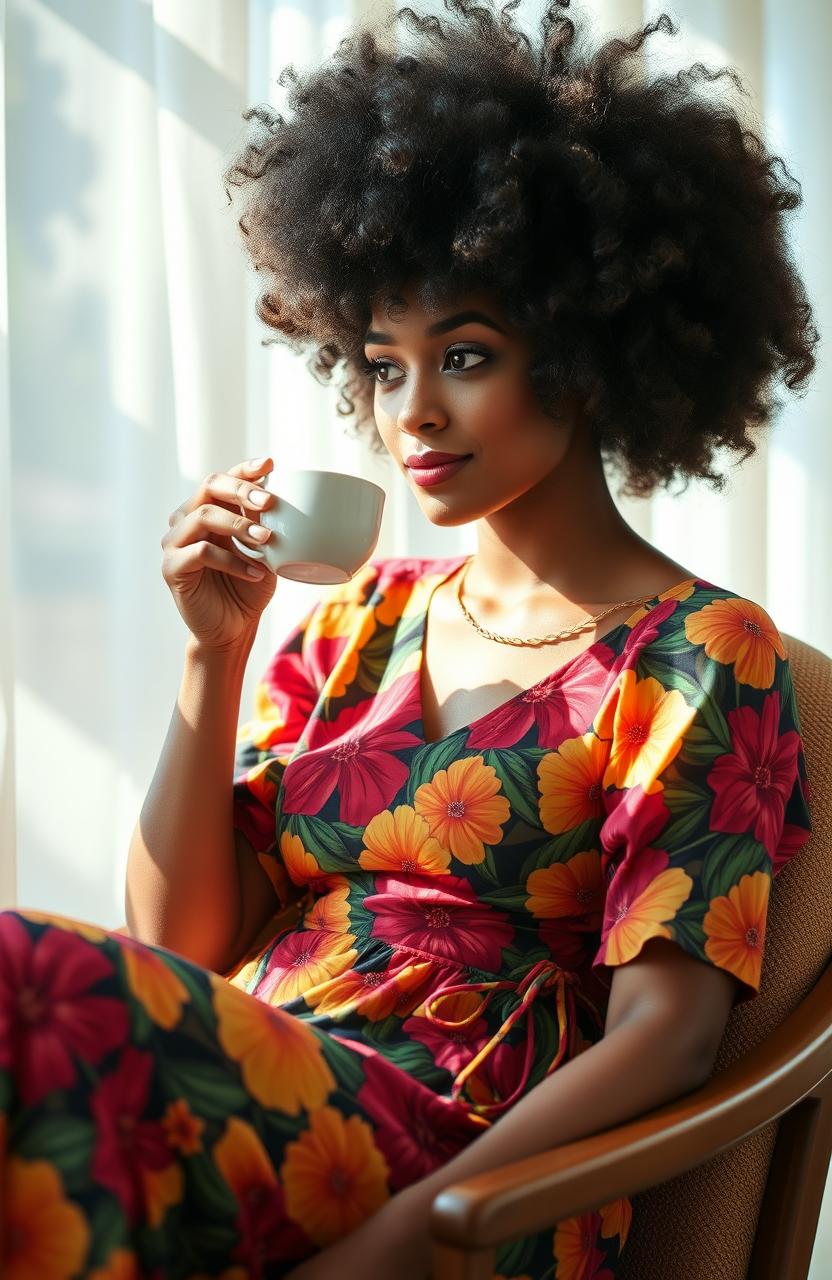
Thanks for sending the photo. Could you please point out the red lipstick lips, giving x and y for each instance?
(433, 467)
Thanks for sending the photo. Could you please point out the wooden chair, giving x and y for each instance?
(726, 1181)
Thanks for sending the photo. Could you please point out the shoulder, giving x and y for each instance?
(702, 623)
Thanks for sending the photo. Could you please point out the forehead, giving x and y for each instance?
(403, 309)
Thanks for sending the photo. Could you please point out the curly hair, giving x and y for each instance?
(632, 228)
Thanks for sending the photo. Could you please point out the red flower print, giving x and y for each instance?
(355, 753)
(286, 684)
(792, 839)
(47, 1017)
(129, 1151)
(634, 819)
(753, 782)
(415, 1129)
(571, 944)
(451, 1049)
(577, 1255)
(439, 917)
(643, 632)
(561, 705)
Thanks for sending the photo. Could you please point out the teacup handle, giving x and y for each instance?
(249, 551)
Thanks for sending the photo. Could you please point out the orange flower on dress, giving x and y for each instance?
(92, 932)
(331, 912)
(304, 959)
(46, 1237)
(121, 1264)
(303, 867)
(576, 1253)
(735, 927)
(401, 841)
(183, 1129)
(616, 1218)
(347, 627)
(646, 723)
(158, 990)
(280, 1056)
(571, 888)
(741, 633)
(641, 900)
(162, 1188)
(463, 809)
(570, 783)
(335, 1176)
(376, 994)
(405, 597)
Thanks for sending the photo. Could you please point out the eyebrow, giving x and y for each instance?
(441, 326)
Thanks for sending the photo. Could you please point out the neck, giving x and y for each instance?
(564, 538)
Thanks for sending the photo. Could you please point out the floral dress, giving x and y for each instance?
(447, 918)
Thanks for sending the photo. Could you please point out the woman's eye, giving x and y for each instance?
(375, 366)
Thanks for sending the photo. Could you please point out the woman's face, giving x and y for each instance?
(457, 383)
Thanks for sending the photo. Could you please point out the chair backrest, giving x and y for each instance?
(701, 1226)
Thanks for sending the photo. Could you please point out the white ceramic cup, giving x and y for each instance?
(324, 525)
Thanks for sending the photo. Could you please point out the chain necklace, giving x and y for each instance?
(550, 639)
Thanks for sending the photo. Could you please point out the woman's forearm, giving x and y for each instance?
(182, 884)
(640, 1065)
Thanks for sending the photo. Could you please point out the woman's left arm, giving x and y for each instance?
(665, 1018)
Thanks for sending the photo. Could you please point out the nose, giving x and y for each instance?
(420, 408)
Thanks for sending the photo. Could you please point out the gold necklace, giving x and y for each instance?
(550, 639)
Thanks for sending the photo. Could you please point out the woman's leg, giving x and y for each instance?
(157, 1121)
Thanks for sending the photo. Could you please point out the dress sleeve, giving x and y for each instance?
(705, 791)
(284, 699)
(303, 671)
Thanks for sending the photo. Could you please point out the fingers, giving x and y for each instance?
(237, 487)
(207, 519)
(199, 555)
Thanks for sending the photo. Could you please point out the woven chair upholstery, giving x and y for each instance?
(701, 1226)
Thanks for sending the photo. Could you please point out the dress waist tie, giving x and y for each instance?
(543, 976)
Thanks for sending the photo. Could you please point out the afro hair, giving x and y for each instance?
(630, 226)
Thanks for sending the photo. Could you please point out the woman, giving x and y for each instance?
(496, 861)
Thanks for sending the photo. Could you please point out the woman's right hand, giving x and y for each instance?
(209, 578)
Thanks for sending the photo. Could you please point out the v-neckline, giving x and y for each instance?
(628, 623)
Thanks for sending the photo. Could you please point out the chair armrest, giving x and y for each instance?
(532, 1194)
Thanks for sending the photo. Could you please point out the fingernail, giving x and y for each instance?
(256, 462)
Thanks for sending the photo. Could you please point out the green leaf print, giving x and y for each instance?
(320, 839)
(346, 1065)
(64, 1141)
(689, 808)
(562, 847)
(514, 1257)
(488, 868)
(687, 928)
(728, 860)
(207, 1191)
(428, 760)
(698, 746)
(505, 899)
(393, 662)
(210, 1090)
(411, 1057)
(108, 1228)
(674, 642)
(518, 778)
